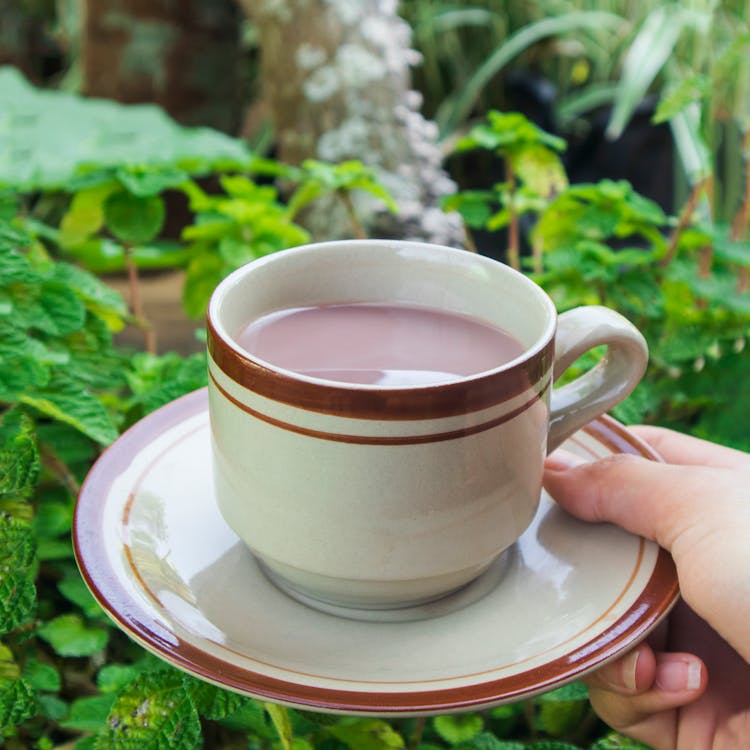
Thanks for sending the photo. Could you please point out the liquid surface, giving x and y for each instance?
(378, 344)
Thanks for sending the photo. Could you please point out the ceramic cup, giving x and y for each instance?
(379, 497)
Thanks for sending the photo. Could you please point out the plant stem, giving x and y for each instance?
(59, 469)
(471, 246)
(685, 216)
(741, 220)
(416, 737)
(136, 304)
(514, 253)
(357, 228)
(537, 255)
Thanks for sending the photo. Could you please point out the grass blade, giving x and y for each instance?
(650, 50)
(459, 107)
(691, 146)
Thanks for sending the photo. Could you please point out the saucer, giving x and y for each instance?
(157, 555)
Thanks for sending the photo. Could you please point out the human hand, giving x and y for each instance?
(688, 687)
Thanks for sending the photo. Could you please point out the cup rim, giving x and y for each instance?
(258, 374)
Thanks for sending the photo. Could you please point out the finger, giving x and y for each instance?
(654, 500)
(677, 448)
(629, 675)
(676, 680)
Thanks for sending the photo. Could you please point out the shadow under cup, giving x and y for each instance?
(378, 497)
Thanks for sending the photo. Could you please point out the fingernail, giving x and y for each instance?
(562, 460)
(629, 667)
(677, 674)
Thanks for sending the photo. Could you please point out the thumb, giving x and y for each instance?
(655, 500)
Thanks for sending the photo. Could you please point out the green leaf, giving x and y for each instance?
(475, 206)
(89, 714)
(573, 691)
(17, 591)
(17, 598)
(132, 219)
(456, 109)
(458, 728)
(113, 677)
(648, 53)
(615, 741)
(68, 402)
(146, 182)
(53, 309)
(85, 216)
(70, 636)
(694, 88)
(74, 590)
(552, 745)
(559, 718)
(540, 169)
(203, 274)
(52, 707)
(486, 741)
(251, 718)
(41, 676)
(695, 154)
(153, 713)
(19, 457)
(367, 734)
(99, 298)
(16, 705)
(8, 668)
(213, 702)
(52, 139)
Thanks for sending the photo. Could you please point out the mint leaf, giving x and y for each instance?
(132, 219)
(70, 636)
(95, 293)
(153, 713)
(17, 598)
(615, 741)
(89, 714)
(368, 734)
(145, 182)
(17, 591)
(75, 590)
(486, 741)
(211, 701)
(573, 691)
(16, 705)
(68, 402)
(114, 677)
(42, 676)
(19, 458)
(458, 728)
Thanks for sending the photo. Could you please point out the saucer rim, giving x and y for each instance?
(654, 601)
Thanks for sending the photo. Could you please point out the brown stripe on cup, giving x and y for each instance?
(154, 631)
(426, 402)
(381, 439)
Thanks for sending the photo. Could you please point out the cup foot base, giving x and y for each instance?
(434, 606)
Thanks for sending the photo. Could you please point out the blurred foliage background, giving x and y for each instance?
(149, 148)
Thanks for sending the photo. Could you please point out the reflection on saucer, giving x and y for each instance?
(160, 559)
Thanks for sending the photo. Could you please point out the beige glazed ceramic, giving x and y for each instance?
(158, 556)
(385, 497)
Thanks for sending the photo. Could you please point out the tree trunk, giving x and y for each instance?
(21, 39)
(181, 54)
(336, 78)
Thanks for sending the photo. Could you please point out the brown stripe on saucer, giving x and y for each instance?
(382, 439)
(424, 402)
(152, 629)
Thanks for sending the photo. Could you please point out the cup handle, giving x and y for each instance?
(610, 381)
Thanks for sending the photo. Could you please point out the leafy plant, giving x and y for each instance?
(681, 280)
